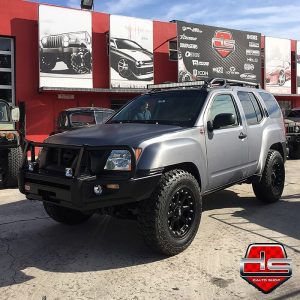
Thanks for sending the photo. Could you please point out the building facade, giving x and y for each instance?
(19, 70)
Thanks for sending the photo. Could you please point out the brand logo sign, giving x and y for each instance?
(188, 46)
(188, 38)
(197, 73)
(223, 43)
(251, 52)
(248, 76)
(200, 63)
(232, 71)
(253, 45)
(249, 67)
(191, 29)
(192, 54)
(266, 266)
(253, 60)
(218, 70)
(252, 37)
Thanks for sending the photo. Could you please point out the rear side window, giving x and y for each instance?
(251, 107)
(271, 104)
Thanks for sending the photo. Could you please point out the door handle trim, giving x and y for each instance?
(242, 136)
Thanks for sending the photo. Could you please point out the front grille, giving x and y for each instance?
(54, 41)
(292, 128)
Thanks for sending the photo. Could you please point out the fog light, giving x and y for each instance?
(31, 166)
(27, 187)
(69, 172)
(98, 190)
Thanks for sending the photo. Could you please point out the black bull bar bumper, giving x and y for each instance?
(78, 192)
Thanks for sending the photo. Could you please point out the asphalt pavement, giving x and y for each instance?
(106, 258)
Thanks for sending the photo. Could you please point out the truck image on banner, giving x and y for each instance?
(131, 52)
(65, 42)
(206, 52)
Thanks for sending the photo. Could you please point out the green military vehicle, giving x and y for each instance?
(10, 145)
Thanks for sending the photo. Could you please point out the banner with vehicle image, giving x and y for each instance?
(298, 66)
(65, 43)
(131, 52)
(206, 52)
(278, 65)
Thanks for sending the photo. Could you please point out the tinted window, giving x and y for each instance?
(127, 44)
(222, 104)
(271, 104)
(294, 114)
(5, 44)
(251, 107)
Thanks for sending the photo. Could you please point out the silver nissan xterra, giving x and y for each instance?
(156, 158)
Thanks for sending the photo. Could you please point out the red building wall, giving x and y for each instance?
(19, 19)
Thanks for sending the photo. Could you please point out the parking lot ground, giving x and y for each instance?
(107, 259)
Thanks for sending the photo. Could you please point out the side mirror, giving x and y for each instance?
(15, 114)
(223, 120)
(210, 127)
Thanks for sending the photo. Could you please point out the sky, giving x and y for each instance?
(269, 17)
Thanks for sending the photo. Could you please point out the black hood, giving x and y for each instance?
(131, 134)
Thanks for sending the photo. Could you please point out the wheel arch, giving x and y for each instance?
(186, 166)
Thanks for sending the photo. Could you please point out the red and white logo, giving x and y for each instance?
(223, 43)
(266, 266)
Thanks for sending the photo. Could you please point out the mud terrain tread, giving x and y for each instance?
(151, 214)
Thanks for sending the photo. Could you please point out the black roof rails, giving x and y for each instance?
(213, 82)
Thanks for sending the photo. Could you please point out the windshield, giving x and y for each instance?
(4, 112)
(79, 119)
(179, 108)
(294, 114)
(126, 44)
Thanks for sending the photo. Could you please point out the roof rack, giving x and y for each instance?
(213, 82)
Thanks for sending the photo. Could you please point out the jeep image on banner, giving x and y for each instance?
(278, 65)
(131, 52)
(65, 43)
(298, 66)
(206, 52)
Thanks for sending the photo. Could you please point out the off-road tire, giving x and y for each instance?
(153, 214)
(14, 162)
(65, 215)
(81, 61)
(47, 64)
(269, 187)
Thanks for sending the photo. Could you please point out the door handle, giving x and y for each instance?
(242, 136)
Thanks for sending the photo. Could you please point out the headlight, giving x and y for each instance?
(44, 41)
(297, 129)
(118, 160)
(139, 63)
(66, 40)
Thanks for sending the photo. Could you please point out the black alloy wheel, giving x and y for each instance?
(181, 212)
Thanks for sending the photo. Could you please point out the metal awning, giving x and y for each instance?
(94, 90)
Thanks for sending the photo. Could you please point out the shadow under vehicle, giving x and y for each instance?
(130, 60)
(292, 125)
(73, 48)
(79, 117)
(10, 145)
